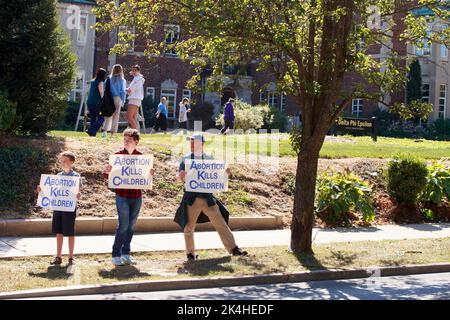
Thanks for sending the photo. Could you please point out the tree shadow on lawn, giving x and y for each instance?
(123, 272)
(53, 273)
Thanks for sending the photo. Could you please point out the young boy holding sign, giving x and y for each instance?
(63, 222)
(127, 178)
(199, 207)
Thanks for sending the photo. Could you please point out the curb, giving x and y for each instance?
(197, 283)
(99, 226)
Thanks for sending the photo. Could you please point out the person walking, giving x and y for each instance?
(135, 96)
(228, 116)
(96, 92)
(161, 116)
(118, 87)
(183, 114)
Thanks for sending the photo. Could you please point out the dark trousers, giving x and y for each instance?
(182, 125)
(161, 123)
(96, 120)
(229, 124)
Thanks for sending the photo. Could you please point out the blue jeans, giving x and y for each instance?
(96, 120)
(128, 211)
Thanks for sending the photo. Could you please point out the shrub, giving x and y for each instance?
(273, 118)
(149, 107)
(439, 130)
(246, 116)
(438, 184)
(341, 194)
(70, 117)
(203, 112)
(20, 167)
(9, 119)
(406, 178)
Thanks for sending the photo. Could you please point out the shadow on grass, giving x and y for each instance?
(309, 261)
(53, 273)
(343, 259)
(205, 267)
(122, 272)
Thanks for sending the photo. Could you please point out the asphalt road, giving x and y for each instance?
(424, 287)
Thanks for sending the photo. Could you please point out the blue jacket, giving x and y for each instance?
(118, 87)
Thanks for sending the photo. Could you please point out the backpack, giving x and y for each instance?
(107, 107)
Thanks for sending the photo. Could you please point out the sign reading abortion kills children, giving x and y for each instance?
(205, 176)
(130, 171)
(58, 193)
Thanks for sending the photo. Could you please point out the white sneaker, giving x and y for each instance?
(104, 135)
(127, 259)
(117, 261)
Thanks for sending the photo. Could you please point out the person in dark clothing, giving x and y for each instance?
(96, 92)
(228, 116)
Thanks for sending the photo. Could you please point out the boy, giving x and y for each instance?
(202, 207)
(63, 223)
(128, 203)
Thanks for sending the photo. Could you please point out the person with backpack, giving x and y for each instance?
(117, 85)
(94, 100)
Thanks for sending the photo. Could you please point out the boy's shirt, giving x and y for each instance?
(127, 193)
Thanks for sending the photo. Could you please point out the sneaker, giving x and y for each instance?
(191, 257)
(57, 261)
(239, 252)
(127, 259)
(117, 261)
(104, 134)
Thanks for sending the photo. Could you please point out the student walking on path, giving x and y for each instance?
(96, 92)
(228, 116)
(118, 87)
(183, 115)
(135, 96)
(161, 116)
(202, 207)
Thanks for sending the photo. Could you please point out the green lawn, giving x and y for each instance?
(344, 147)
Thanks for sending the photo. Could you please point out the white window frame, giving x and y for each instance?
(76, 90)
(126, 29)
(263, 97)
(187, 94)
(174, 29)
(426, 89)
(426, 50)
(150, 91)
(283, 102)
(272, 99)
(444, 52)
(442, 101)
(170, 92)
(85, 28)
(357, 106)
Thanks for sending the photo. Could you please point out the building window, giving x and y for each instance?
(76, 95)
(150, 91)
(263, 97)
(426, 93)
(125, 31)
(425, 48)
(187, 94)
(444, 51)
(357, 105)
(171, 95)
(83, 30)
(272, 99)
(171, 35)
(442, 100)
(283, 102)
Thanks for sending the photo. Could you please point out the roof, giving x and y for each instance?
(87, 2)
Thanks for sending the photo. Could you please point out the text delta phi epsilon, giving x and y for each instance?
(58, 192)
(206, 176)
(130, 172)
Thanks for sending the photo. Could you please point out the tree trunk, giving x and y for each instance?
(303, 215)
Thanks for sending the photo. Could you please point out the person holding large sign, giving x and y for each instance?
(60, 193)
(128, 172)
(203, 177)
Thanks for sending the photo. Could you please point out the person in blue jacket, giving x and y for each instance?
(118, 92)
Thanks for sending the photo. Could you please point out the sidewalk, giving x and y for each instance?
(32, 246)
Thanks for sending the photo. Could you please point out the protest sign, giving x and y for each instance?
(58, 192)
(130, 171)
(206, 176)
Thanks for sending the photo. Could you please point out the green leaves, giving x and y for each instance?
(340, 194)
(438, 184)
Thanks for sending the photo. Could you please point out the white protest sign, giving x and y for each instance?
(58, 193)
(205, 176)
(130, 171)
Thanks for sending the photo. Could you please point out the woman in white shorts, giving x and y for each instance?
(135, 96)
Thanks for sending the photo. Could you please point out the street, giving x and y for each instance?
(424, 287)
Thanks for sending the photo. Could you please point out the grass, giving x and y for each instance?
(345, 147)
(34, 272)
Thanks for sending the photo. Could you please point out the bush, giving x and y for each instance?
(20, 167)
(70, 117)
(341, 194)
(204, 112)
(37, 63)
(273, 118)
(439, 130)
(406, 178)
(149, 107)
(9, 120)
(438, 184)
(246, 116)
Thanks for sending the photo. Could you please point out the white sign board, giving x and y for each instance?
(58, 193)
(205, 176)
(130, 171)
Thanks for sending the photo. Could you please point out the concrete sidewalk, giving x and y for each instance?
(17, 247)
